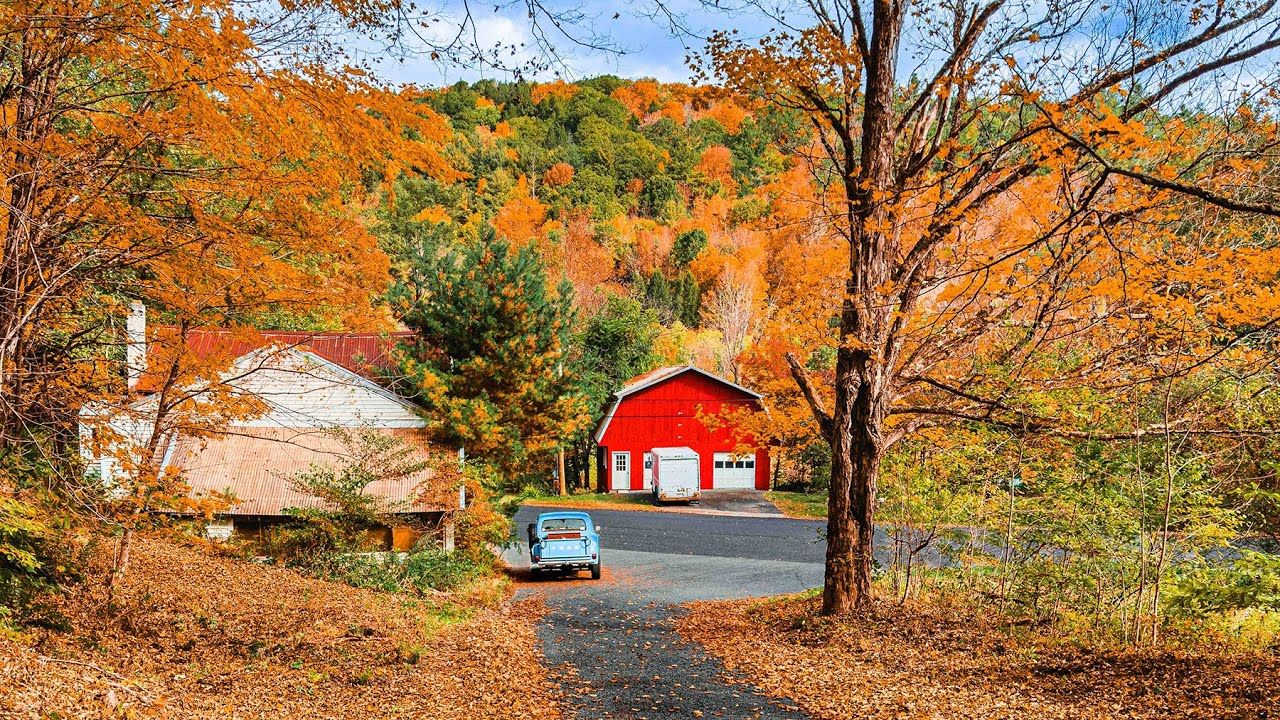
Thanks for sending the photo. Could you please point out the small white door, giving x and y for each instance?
(648, 471)
(621, 471)
(733, 471)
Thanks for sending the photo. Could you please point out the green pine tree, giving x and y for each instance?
(688, 299)
(488, 364)
(657, 295)
(687, 246)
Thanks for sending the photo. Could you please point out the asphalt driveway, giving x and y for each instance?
(611, 642)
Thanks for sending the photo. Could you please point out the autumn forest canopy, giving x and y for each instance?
(1007, 273)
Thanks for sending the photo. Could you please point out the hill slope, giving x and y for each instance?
(198, 635)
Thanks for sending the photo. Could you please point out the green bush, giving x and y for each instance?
(373, 571)
(419, 572)
(1251, 582)
(439, 570)
(33, 563)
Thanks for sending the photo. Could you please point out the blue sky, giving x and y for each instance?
(647, 48)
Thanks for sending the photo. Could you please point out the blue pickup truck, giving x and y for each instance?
(564, 542)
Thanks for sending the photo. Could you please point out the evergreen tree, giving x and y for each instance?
(687, 247)
(616, 344)
(487, 366)
(688, 299)
(658, 191)
(657, 295)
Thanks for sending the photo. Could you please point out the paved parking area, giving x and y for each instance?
(746, 501)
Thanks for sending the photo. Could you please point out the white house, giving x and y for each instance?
(305, 392)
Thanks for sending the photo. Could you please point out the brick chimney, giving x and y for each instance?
(135, 353)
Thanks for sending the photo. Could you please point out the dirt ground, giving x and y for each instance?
(932, 663)
(198, 635)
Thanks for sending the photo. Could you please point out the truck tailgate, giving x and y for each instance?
(556, 549)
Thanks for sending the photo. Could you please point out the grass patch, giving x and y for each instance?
(588, 500)
(799, 505)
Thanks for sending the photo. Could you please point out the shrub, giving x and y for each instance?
(419, 572)
(1251, 582)
(439, 570)
(34, 562)
(688, 245)
(318, 534)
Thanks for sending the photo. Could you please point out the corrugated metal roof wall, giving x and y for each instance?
(256, 465)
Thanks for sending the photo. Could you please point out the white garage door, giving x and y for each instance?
(734, 471)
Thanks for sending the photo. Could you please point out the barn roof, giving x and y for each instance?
(255, 465)
(365, 354)
(654, 377)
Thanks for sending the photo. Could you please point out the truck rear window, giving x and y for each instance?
(564, 524)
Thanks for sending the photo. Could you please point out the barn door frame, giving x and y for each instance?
(619, 475)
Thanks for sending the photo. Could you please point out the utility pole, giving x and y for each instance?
(561, 485)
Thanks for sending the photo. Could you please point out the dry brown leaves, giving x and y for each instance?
(198, 635)
(938, 663)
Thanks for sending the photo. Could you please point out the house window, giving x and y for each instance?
(620, 462)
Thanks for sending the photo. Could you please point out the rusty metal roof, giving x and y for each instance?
(367, 354)
(256, 464)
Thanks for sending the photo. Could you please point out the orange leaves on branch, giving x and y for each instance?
(728, 114)
(221, 183)
(432, 214)
(674, 110)
(639, 98)
(557, 89)
(522, 219)
(715, 166)
(558, 175)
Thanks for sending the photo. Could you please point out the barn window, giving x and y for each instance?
(749, 464)
(740, 464)
(620, 462)
(719, 464)
(648, 462)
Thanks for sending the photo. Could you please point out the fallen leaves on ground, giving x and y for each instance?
(923, 662)
(198, 635)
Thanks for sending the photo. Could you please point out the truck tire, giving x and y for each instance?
(595, 571)
(535, 573)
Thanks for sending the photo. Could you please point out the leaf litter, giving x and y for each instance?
(923, 662)
(196, 634)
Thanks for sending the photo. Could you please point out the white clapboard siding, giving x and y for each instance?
(113, 430)
(303, 390)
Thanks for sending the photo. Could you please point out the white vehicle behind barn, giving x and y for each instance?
(675, 474)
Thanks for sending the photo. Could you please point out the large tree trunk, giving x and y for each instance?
(856, 451)
(865, 356)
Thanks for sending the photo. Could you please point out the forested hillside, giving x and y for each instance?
(650, 202)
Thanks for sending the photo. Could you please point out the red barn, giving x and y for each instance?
(660, 409)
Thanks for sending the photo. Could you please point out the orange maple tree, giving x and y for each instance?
(987, 209)
(196, 157)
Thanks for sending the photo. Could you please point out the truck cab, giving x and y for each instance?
(565, 542)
